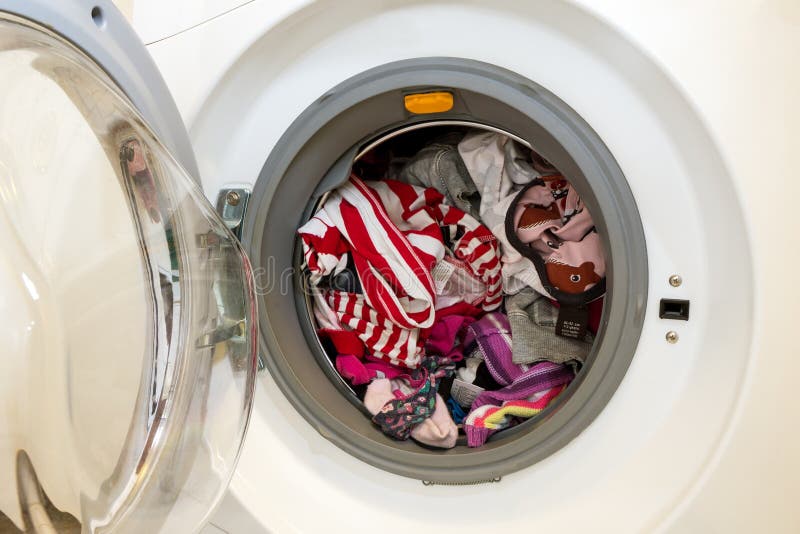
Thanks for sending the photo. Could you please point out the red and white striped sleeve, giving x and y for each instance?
(475, 244)
(324, 249)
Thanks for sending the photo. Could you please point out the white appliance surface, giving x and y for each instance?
(155, 21)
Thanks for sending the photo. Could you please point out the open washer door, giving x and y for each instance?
(128, 317)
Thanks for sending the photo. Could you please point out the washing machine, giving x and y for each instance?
(162, 372)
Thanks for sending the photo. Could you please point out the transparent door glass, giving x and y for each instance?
(127, 306)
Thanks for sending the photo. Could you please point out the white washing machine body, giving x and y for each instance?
(696, 104)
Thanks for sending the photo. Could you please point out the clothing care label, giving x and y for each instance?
(572, 321)
(464, 392)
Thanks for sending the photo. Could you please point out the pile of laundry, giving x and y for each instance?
(461, 293)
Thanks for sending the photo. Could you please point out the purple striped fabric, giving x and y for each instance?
(540, 377)
(491, 334)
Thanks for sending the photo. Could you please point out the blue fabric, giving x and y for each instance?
(456, 411)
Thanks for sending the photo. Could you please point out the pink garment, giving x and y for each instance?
(552, 220)
(446, 335)
(438, 430)
(359, 372)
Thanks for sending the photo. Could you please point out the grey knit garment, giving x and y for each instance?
(533, 332)
(440, 166)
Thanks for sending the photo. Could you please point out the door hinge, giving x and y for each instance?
(231, 206)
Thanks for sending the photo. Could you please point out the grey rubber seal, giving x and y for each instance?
(348, 117)
(101, 31)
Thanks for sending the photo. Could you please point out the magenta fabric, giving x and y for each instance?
(358, 372)
(352, 369)
(445, 337)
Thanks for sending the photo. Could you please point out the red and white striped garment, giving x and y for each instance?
(385, 340)
(393, 231)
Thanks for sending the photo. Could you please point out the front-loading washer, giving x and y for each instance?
(280, 100)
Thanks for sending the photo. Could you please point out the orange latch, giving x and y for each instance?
(422, 103)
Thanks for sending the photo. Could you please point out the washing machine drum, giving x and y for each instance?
(339, 152)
